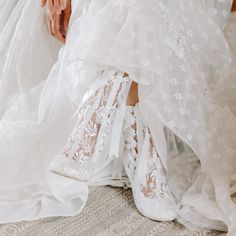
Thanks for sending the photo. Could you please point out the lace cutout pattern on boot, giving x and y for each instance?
(145, 170)
(130, 139)
(155, 184)
(90, 139)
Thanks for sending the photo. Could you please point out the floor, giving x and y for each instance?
(109, 212)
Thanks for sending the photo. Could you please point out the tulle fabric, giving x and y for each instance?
(39, 95)
(179, 55)
(28, 144)
(186, 82)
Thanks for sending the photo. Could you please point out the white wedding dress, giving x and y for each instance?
(182, 56)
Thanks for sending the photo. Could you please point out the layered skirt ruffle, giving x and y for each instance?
(179, 54)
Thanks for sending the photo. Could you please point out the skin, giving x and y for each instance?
(55, 9)
(58, 5)
(132, 98)
(234, 6)
(57, 17)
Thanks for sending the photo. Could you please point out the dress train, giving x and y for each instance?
(176, 65)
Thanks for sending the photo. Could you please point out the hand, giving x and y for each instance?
(57, 24)
(58, 5)
(66, 13)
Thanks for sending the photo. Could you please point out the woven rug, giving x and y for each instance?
(109, 212)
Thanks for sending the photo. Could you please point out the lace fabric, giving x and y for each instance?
(91, 140)
(180, 70)
(145, 170)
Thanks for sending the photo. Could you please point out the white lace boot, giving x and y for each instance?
(146, 172)
(130, 138)
(89, 143)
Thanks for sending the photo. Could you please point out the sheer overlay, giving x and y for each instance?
(186, 82)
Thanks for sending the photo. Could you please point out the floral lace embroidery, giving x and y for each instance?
(155, 185)
(130, 135)
(137, 136)
(95, 122)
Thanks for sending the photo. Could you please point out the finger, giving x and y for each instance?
(49, 22)
(49, 25)
(63, 4)
(57, 6)
(67, 14)
(50, 7)
(56, 28)
(43, 2)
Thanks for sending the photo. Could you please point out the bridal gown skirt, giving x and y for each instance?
(182, 56)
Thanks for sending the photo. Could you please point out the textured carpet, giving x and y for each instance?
(109, 212)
